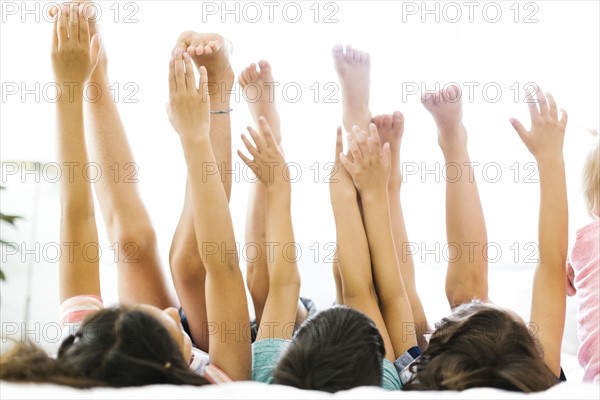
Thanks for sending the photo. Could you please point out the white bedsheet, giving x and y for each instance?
(247, 390)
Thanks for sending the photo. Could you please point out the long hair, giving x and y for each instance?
(338, 349)
(114, 347)
(481, 346)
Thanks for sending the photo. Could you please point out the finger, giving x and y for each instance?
(189, 72)
(519, 128)
(55, 35)
(552, 106)
(74, 23)
(534, 111)
(542, 102)
(374, 136)
(563, 118)
(172, 81)
(203, 82)
(346, 162)
(258, 139)
(179, 74)
(265, 128)
(339, 143)
(354, 147)
(245, 159)
(52, 11)
(63, 30)
(84, 27)
(251, 149)
(350, 156)
(361, 140)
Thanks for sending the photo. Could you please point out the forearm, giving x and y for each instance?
(553, 234)
(213, 225)
(283, 271)
(388, 280)
(352, 249)
(75, 189)
(257, 273)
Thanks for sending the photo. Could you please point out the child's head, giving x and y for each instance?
(591, 181)
(481, 345)
(114, 347)
(338, 349)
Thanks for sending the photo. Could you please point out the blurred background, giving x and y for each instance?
(494, 50)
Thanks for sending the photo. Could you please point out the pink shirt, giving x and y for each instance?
(583, 270)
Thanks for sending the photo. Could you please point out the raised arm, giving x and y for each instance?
(545, 141)
(354, 260)
(268, 163)
(74, 57)
(226, 306)
(370, 169)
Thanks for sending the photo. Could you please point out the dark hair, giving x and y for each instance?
(114, 347)
(481, 346)
(338, 349)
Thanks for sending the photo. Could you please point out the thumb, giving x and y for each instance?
(518, 126)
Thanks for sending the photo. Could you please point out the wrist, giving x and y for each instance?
(553, 159)
(374, 194)
(70, 94)
(194, 136)
(279, 190)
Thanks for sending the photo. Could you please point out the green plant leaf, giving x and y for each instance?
(7, 244)
(9, 218)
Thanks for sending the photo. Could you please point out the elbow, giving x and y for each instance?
(359, 293)
(290, 280)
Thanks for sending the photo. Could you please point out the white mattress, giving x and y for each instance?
(246, 390)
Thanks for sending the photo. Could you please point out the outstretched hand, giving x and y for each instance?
(189, 106)
(547, 133)
(74, 53)
(369, 164)
(268, 162)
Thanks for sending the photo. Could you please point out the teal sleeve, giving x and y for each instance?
(391, 380)
(265, 354)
